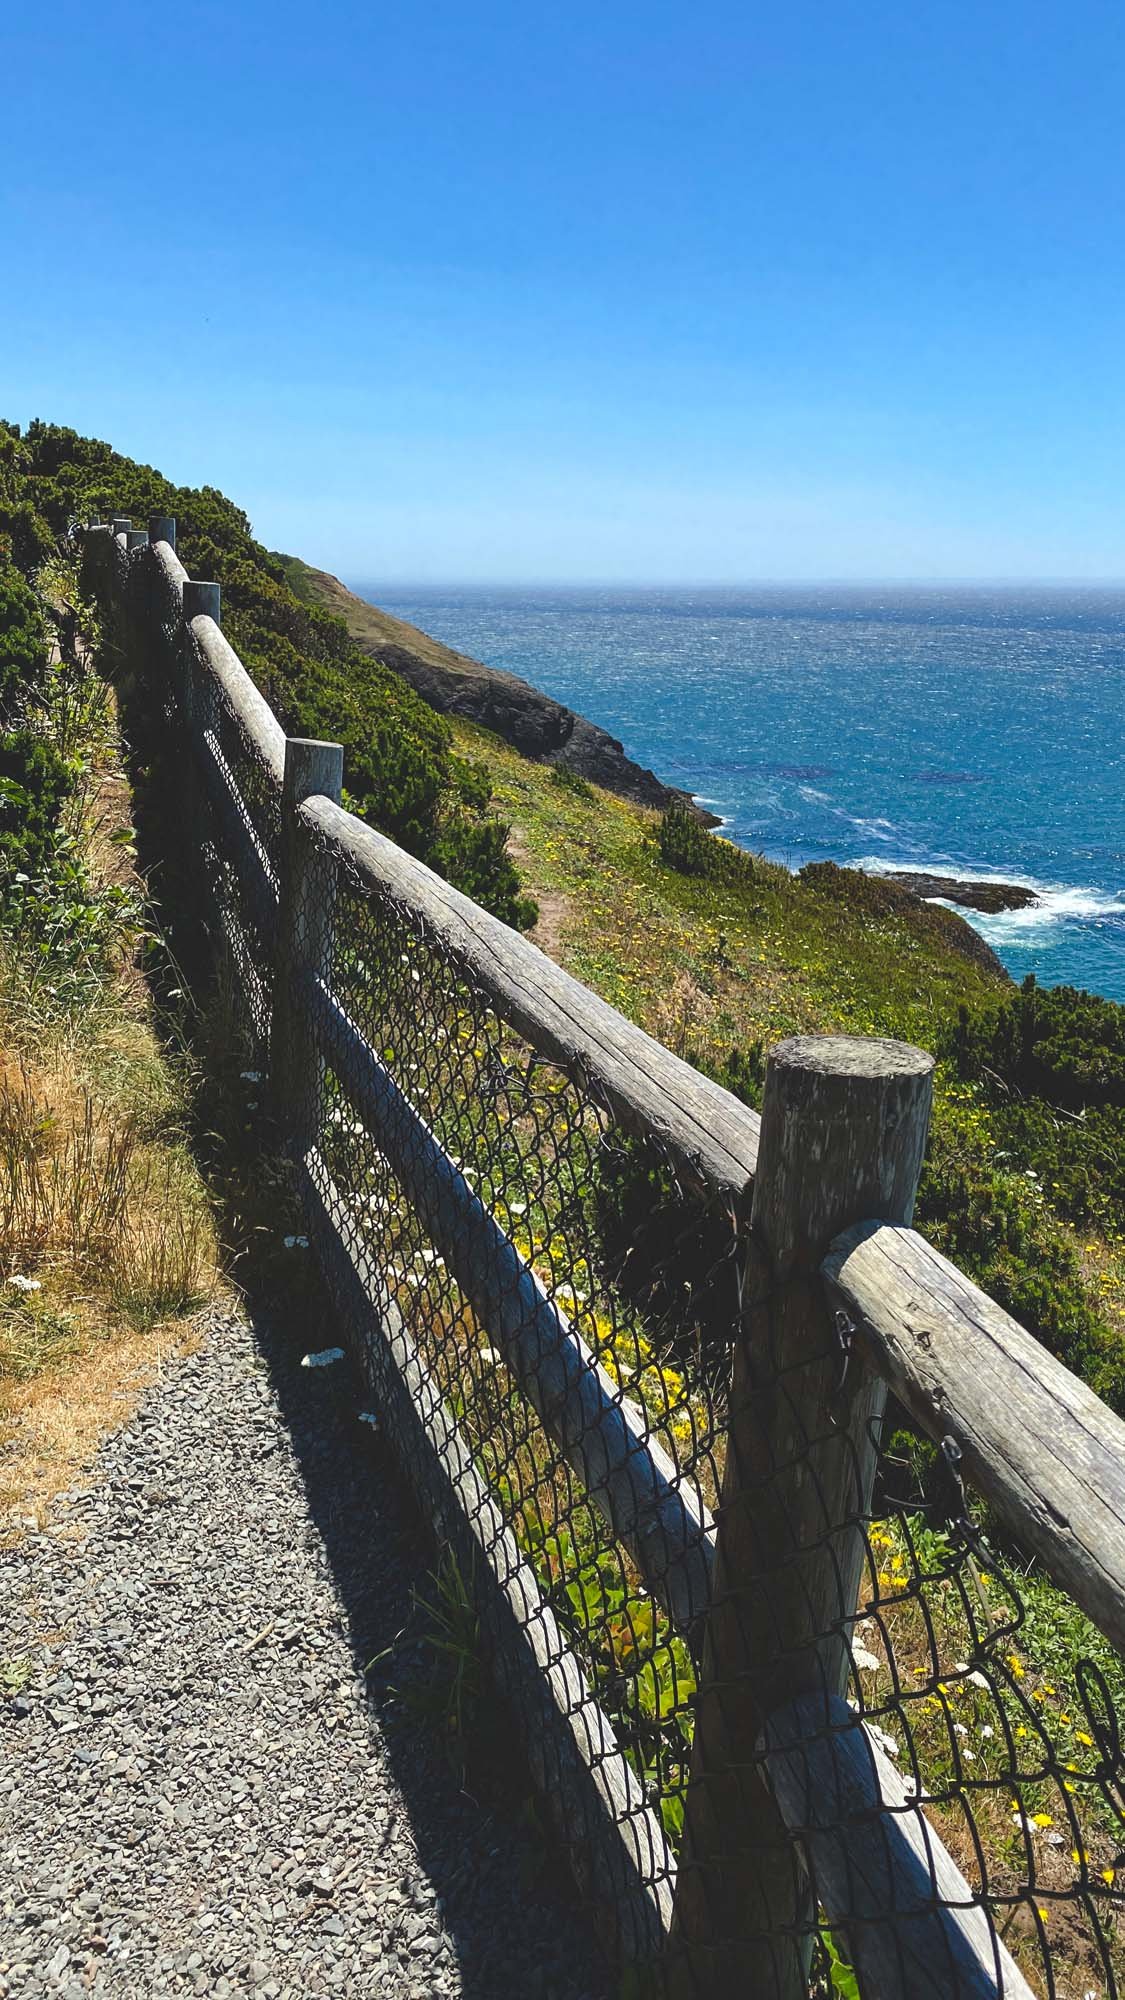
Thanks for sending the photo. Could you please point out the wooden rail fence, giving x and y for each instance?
(795, 1816)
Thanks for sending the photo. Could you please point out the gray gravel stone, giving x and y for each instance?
(198, 1795)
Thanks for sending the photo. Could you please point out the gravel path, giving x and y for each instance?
(199, 1792)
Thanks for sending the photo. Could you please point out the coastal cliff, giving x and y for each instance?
(457, 685)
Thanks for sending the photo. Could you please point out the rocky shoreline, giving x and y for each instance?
(455, 684)
(988, 897)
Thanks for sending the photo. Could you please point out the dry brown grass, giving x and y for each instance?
(107, 1247)
(107, 1238)
(52, 1423)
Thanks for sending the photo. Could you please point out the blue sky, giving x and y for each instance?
(618, 292)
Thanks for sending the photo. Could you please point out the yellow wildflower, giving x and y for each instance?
(1042, 1819)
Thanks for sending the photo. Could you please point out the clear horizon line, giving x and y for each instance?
(409, 584)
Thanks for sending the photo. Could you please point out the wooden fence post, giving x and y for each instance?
(136, 538)
(304, 941)
(844, 1125)
(162, 528)
(202, 600)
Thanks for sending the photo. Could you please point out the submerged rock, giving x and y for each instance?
(988, 897)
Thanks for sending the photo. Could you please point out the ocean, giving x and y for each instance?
(968, 731)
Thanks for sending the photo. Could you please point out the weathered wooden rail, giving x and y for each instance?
(792, 1801)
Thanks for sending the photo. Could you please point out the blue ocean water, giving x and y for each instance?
(976, 731)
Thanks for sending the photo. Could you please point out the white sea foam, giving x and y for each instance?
(1055, 906)
(875, 829)
(1056, 902)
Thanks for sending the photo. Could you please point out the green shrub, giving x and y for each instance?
(997, 1224)
(472, 854)
(683, 844)
(35, 783)
(1055, 1042)
(571, 781)
(23, 647)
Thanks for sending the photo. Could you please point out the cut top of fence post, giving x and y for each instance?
(162, 528)
(135, 538)
(202, 600)
(844, 1123)
(312, 770)
(121, 523)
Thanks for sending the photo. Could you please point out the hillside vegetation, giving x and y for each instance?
(107, 1243)
(400, 769)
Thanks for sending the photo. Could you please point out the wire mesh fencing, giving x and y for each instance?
(810, 1718)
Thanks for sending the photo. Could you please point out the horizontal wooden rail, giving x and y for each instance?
(169, 564)
(711, 1136)
(250, 709)
(1036, 1442)
(658, 1516)
(913, 1928)
(597, 1801)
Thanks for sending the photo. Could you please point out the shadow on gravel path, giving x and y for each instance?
(506, 1898)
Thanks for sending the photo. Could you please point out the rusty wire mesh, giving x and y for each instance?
(494, 1223)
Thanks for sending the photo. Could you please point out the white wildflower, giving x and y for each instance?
(26, 1284)
(865, 1661)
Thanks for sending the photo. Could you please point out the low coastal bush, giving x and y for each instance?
(1050, 1062)
(684, 844)
(571, 781)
